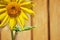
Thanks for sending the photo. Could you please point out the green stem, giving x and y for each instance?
(12, 35)
(15, 35)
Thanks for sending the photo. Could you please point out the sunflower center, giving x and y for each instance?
(13, 9)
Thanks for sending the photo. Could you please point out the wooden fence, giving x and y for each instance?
(46, 21)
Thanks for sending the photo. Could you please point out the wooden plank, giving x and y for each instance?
(25, 35)
(5, 34)
(55, 19)
(40, 20)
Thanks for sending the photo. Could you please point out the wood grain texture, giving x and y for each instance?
(40, 20)
(5, 34)
(55, 19)
(25, 35)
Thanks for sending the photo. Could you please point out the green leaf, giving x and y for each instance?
(18, 29)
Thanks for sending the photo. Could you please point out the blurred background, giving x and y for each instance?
(46, 22)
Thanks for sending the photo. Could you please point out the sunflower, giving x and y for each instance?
(14, 12)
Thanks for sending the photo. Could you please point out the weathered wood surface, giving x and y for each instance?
(40, 20)
(55, 19)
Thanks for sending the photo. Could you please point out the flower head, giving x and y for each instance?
(13, 12)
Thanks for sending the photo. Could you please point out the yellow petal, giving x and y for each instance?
(19, 21)
(22, 20)
(25, 3)
(24, 15)
(3, 2)
(4, 21)
(17, 0)
(12, 22)
(2, 5)
(8, 1)
(13, 0)
(2, 10)
(3, 15)
(27, 10)
(20, 1)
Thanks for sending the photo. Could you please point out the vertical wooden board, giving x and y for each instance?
(55, 19)
(5, 34)
(40, 20)
(24, 35)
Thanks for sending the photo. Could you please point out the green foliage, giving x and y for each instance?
(18, 29)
